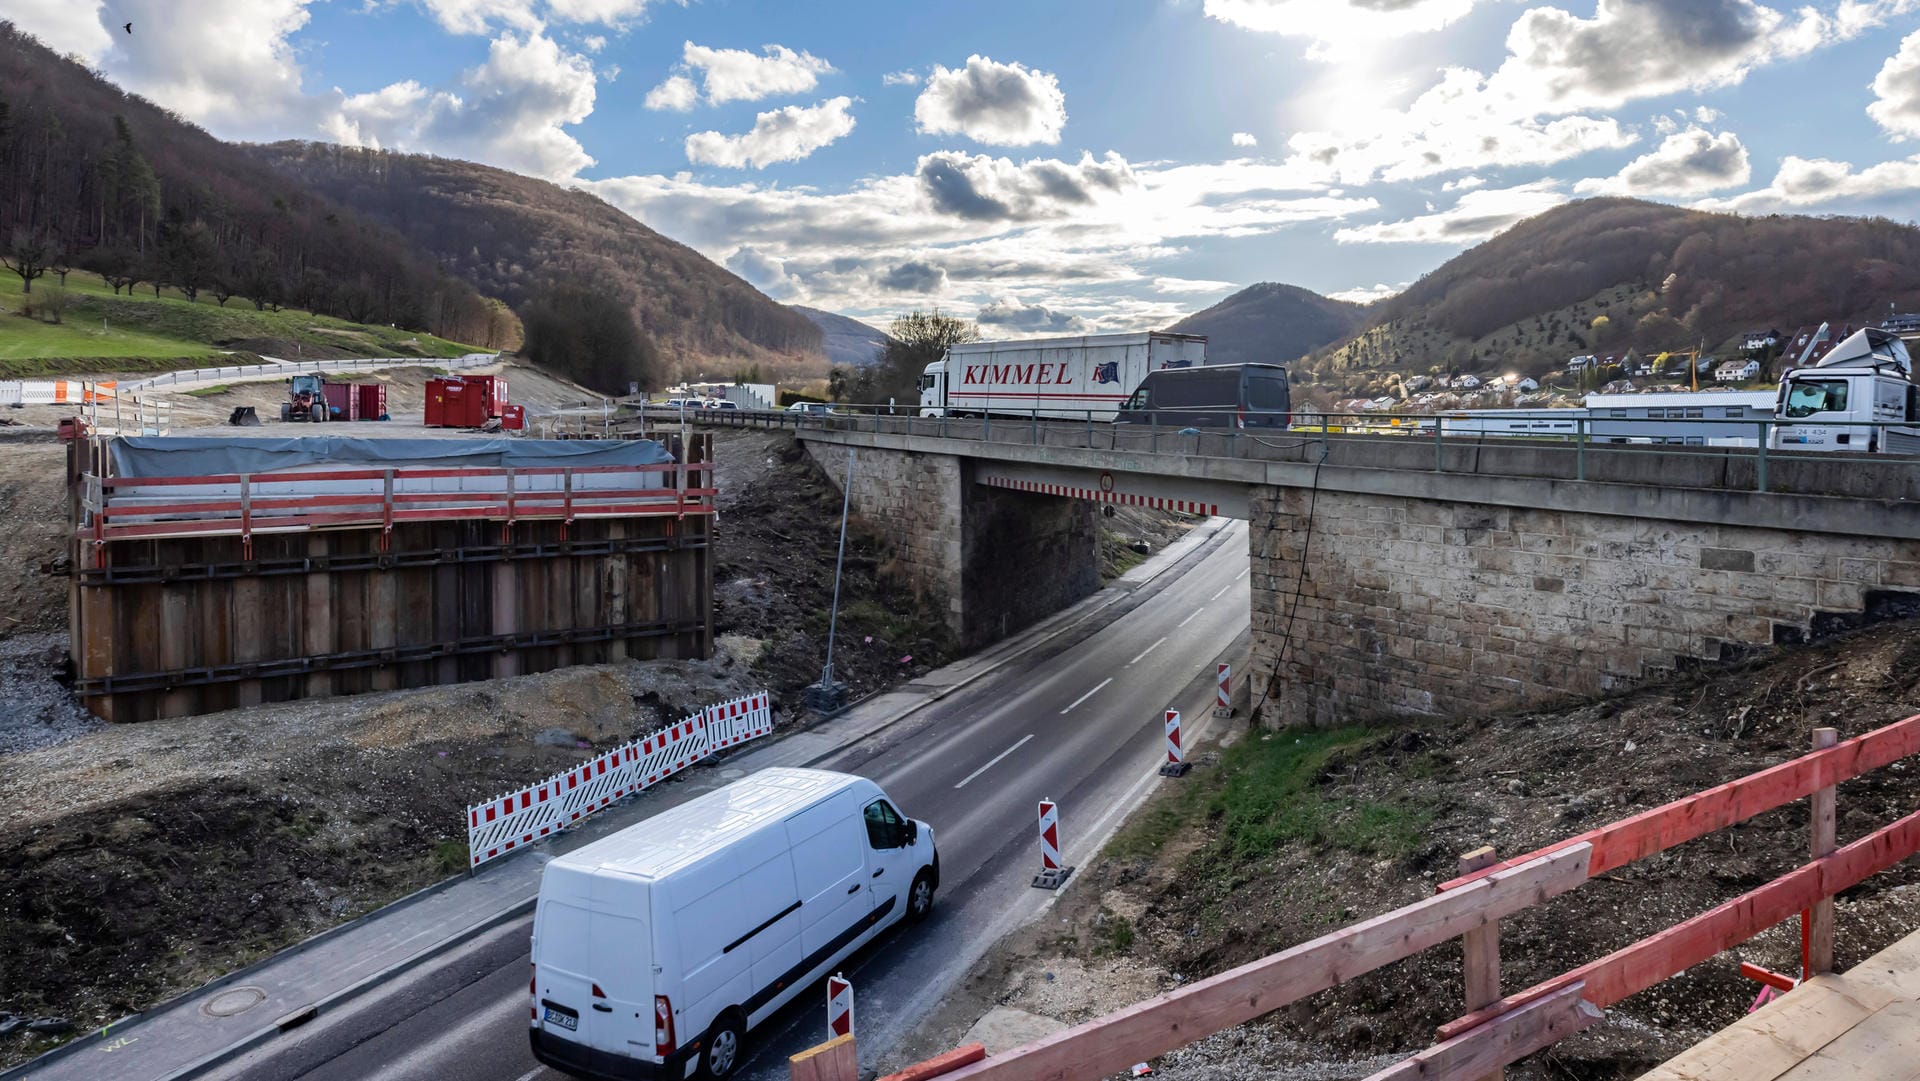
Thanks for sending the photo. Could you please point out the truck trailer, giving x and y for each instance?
(1860, 397)
(1078, 378)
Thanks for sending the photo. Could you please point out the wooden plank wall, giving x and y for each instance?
(171, 615)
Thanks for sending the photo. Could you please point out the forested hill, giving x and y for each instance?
(1271, 323)
(508, 233)
(1606, 275)
(98, 179)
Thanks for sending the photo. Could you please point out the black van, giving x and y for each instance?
(1212, 396)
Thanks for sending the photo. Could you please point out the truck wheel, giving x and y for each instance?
(726, 1047)
(920, 897)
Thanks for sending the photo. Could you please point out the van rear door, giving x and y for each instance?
(593, 969)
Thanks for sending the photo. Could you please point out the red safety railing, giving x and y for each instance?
(114, 512)
(1502, 1030)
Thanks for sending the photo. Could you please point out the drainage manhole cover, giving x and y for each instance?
(234, 1000)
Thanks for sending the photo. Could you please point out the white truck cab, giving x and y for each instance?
(656, 949)
(933, 389)
(1860, 397)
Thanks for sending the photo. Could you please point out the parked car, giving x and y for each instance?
(657, 949)
(815, 408)
(1214, 396)
(721, 403)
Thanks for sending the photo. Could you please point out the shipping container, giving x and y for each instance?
(373, 400)
(514, 419)
(1066, 378)
(342, 401)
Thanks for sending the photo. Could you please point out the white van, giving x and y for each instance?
(656, 949)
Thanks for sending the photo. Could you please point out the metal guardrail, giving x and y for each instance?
(277, 368)
(1453, 438)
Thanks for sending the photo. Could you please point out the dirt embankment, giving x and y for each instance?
(1282, 837)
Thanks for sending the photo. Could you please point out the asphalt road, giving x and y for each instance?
(1077, 720)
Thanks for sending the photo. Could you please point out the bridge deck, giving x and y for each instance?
(1863, 1025)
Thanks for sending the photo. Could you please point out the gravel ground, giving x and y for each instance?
(40, 711)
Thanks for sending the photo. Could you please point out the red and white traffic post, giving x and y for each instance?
(1052, 871)
(839, 1006)
(1222, 700)
(1176, 763)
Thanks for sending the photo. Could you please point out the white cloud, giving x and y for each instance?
(479, 16)
(1538, 106)
(1066, 235)
(1189, 285)
(1243, 138)
(1338, 22)
(510, 111)
(1805, 182)
(1705, 114)
(604, 12)
(787, 134)
(1896, 91)
(677, 94)
(1691, 162)
(1367, 294)
(65, 26)
(228, 66)
(593, 43)
(900, 78)
(994, 103)
(1477, 216)
(738, 75)
(1465, 183)
(1012, 314)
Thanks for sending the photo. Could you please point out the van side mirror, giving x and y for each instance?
(912, 832)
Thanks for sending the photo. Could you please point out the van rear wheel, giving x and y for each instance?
(920, 897)
(726, 1047)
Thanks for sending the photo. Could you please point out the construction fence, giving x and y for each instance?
(503, 823)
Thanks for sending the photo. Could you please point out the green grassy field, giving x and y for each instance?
(101, 332)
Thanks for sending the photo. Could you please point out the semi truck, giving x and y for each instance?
(1859, 397)
(1073, 378)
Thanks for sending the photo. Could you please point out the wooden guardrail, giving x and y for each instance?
(1500, 1031)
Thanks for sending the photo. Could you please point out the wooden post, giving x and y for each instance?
(835, 1060)
(1819, 953)
(1480, 952)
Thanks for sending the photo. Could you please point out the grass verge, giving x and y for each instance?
(1266, 793)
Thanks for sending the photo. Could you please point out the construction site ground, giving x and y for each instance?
(1278, 837)
(138, 861)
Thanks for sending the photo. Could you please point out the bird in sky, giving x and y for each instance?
(129, 28)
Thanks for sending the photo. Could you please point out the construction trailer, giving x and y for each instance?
(210, 573)
(372, 400)
(469, 401)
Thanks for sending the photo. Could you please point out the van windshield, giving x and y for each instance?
(1199, 390)
(1817, 396)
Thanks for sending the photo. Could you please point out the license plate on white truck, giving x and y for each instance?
(560, 1015)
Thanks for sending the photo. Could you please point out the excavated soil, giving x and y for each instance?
(1188, 909)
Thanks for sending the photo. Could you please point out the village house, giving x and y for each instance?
(1735, 371)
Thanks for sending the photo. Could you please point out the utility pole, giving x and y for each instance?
(830, 694)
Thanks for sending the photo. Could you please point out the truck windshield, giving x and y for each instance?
(1817, 396)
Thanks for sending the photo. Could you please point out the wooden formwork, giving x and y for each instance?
(172, 626)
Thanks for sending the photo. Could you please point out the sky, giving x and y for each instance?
(1056, 167)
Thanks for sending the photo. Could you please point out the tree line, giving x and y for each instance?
(95, 179)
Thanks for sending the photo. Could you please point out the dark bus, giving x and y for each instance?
(1212, 396)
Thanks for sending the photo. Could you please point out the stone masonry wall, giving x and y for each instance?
(1026, 557)
(997, 560)
(914, 501)
(1417, 607)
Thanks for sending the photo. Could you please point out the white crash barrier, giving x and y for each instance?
(519, 818)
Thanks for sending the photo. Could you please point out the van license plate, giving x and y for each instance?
(568, 1020)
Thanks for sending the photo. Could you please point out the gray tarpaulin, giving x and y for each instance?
(200, 456)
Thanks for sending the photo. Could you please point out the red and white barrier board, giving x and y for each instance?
(1049, 836)
(1223, 699)
(546, 807)
(1175, 755)
(839, 1007)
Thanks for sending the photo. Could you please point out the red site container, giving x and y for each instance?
(514, 418)
(465, 401)
(373, 400)
(343, 403)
